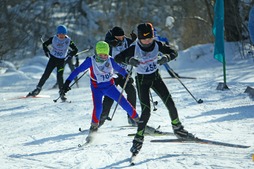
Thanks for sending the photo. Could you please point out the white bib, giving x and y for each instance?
(148, 60)
(60, 47)
(102, 71)
(117, 49)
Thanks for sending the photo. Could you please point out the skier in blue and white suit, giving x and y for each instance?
(101, 67)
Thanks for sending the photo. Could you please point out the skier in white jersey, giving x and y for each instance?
(60, 44)
(144, 56)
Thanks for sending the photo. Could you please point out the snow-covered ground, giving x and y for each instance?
(38, 133)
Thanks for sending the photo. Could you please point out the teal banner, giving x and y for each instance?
(218, 31)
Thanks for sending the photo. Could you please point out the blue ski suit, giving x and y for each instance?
(102, 84)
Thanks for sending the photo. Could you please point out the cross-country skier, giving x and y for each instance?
(60, 44)
(118, 42)
(143, 55)
(101, 67)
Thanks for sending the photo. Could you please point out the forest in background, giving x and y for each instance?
(24, 22)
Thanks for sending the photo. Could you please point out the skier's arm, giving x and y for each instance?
(45, 46)
(74, 49)
(170, 53)
(118, 68)
(124, 56)
(85, 65)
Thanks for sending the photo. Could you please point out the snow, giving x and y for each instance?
(38, 133)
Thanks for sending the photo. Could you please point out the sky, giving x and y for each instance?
(39, 133)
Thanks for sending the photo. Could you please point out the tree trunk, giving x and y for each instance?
(233, 29)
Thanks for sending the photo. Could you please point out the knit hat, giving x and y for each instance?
(102, 47)
(117, 31)
(145, 30)
(61, 30)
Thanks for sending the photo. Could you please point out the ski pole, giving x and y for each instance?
(84, 51)
(42, 40)
(198, 101)
(154, 103)
(55, 100)
(120, 97)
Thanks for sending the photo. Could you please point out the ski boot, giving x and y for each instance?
(137, 144)
(93, 129)
(181, 133)
(34, 92)
(132, 122)
(62, 96)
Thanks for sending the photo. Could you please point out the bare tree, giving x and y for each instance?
(233, 22)
(24, 22)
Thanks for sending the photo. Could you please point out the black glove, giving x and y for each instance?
(77, 61)
(71, 53)
(133, 36)
(134, 62)
(163, 59)
(130, 80)
(46, 51)
(113, 43)
(65, 87)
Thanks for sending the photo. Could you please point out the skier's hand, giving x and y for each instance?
(114, 42)
(46, 51)
(163, 59)
(134, 62)
(72, 53)
(47, 54)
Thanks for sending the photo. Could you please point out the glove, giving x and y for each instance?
(133, 36)
(134, 62)
(163, 59)
(114, 43)
(46, 51)
(77, 61)
(72, 53)
(130, 80)
(65, 87)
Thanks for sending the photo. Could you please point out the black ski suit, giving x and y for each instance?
(153, 80)
(55, 62)
(120, 80)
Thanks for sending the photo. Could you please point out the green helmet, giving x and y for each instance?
(102, 47)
